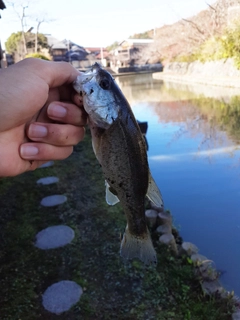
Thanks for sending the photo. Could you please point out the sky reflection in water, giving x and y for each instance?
(194, 152)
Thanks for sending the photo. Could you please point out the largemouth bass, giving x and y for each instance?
(121, 150)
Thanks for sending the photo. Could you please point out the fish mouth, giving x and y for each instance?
(82, 78)
(85, 77)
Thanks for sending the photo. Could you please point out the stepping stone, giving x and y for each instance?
(151, 217)
(61, 296)
(47, 180)
(47, 164)
(199, 259)
(164, 228)
(169, 240)
(54, 200)
(54, 237)
(189, 248)
(165, 218)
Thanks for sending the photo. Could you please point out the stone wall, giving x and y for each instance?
(222, 68)
(217, 73)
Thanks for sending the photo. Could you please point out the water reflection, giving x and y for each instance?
(194, 151)
(208, 153)
(196, 111)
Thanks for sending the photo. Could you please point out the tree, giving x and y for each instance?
(41, 18)
(20, 9)
(113, 46)
(13, 43)
(143, 35)
(185, 37)
(39, 21)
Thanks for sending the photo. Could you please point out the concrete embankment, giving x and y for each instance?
(136, 69)
(217, 73)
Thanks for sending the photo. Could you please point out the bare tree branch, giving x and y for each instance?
(194, 24)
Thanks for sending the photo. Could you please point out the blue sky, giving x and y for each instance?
(97, 23)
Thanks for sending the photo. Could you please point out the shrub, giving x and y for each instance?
(215, 48)
(37, 55)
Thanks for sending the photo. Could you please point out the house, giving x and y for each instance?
(65, 50)
(100, 54)
(128, 52)
(57, 48)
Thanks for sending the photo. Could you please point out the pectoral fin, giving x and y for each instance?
(154, 193)
(111, 198)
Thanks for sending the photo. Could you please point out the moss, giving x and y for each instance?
(112, 290)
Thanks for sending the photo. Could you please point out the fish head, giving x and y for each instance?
(100, 100)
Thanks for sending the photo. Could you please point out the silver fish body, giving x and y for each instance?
(120, 149)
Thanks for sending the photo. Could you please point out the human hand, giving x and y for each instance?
(40, 115)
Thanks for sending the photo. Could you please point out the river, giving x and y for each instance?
(194, 155)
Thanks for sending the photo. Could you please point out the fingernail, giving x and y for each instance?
(37, 131)
(28, 151)
(56, 111)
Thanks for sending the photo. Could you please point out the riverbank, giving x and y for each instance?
(111, 289)
(217, 73)
(136, 69)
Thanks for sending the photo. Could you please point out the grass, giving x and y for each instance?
(112, 289)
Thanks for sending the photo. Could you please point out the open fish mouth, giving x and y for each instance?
(82, 78)
(85, 77)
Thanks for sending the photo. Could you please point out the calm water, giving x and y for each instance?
(194, 155)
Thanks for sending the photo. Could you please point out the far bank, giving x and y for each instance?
(218, 73)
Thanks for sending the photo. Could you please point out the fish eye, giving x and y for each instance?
(105, 84)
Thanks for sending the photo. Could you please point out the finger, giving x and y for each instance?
(55, 134)
(44, 151)
(67, 113)
(53, 73)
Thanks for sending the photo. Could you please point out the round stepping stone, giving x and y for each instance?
(47, 180)
(54, 237)
(169, 240)
(199, 259)
(61, 296)
(189, 248)
(47, 164)
(54, 200)
(151, 217)
(164, 228)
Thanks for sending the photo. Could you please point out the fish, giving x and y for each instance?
(120, 149)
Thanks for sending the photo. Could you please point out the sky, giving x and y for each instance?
(96, 23)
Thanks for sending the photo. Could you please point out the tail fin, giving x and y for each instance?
(139, 248)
